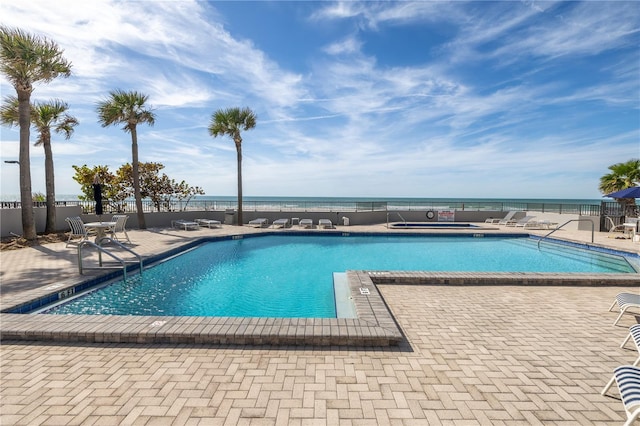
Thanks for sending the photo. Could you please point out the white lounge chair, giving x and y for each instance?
(627, 378)
(306, 223)
(119, 228)
(546, 224)
(519, 222)
(184, 224)
(614, 228)
(261, 222)
(78, 230)
(282, 223)
(624, 302)
(209, 223)
(531, 222)
(325, 223)
(505, 219)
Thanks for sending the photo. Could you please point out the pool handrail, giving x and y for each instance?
(101, 250)
(398, 213)
(122, 246)
(567, 222)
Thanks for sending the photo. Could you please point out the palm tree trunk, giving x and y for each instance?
(50, 226)
(26, 198)
(136, 178)
(239, 153)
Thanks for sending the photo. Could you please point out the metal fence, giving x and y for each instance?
(338, 206)
(617, 213)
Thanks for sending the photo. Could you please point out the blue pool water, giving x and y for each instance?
(291, 276)
(433, 225)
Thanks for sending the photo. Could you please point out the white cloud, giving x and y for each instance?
(346, 46)
(471, 119)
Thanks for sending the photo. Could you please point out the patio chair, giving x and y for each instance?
(546, 224)
(209, 223)
(185, 224)
(260, 222)
(78, 230)
(627, 377)
(613, 228)
(325, 223)
(505, 219)
(306, 223)
(519, 222)
(531, 222)
(119, 228)
(624, 302)
(282, 223)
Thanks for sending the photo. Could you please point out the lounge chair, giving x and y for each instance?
(634, 333)
(505, 219)
(624, 302)
(185, 224)
(261, 222)
(209, 223)
(519, 222)
(508, 219)
(282, 223)
(614, 228)
(306, 223)
(527, 223)
(546, 224)
(78, 230)
(627, 378)
(531, 224)
(325, 223)
(119, 228)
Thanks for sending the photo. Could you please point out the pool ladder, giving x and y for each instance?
(98, 246)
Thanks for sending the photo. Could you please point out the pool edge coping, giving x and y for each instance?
(374, 326)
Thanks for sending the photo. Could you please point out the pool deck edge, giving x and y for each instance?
(374, 326)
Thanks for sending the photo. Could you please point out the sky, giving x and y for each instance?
(426, 99)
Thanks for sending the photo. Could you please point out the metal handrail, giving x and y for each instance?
(197, 204)
(403, 219)
(123, 247)
(101, 250)
(567, 222)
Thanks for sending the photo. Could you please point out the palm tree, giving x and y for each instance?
(44, 116)
(622, 176)
(24, 60)
(129, 109)
(230, 122)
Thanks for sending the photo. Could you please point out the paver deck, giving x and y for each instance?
(470, 355)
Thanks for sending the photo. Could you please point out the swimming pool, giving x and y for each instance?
(291, 276)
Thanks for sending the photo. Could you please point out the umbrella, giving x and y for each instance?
(633, 192)
(97, 195)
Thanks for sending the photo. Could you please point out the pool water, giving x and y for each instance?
(433, 225)
(292, 276)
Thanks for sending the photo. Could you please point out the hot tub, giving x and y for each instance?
(433, 225)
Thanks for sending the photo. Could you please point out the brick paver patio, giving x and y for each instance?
(472, 355)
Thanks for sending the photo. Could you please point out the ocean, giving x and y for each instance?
(341, 200)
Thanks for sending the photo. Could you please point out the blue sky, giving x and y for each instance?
(510, 99)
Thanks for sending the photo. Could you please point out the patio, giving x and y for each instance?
(472, 355)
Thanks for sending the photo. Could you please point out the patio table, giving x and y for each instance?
(101, 228)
